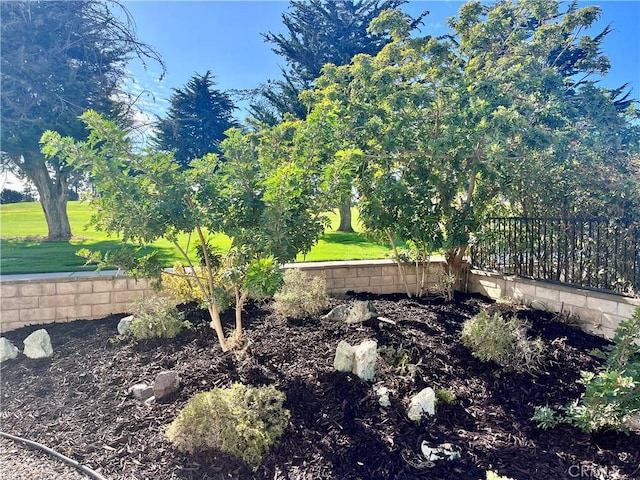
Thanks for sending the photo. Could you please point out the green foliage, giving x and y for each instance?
(545, 417)
(242, 421)
(439, 132)
(59, 59)
(609, 400)
(192, 285)
(196, 121)
(156, 317)
(503, 341)
(298, 296)
(318, 33)
(267, 197)
(445, 396)
(612, 395)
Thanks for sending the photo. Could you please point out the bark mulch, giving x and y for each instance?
(78, 401)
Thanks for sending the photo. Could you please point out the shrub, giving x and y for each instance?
(242, 421)
(300, 297)
(545, 417)
(182, 284)
(156, 317)
(503, 341)
(612, 395)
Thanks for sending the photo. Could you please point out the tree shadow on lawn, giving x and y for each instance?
(34, 255)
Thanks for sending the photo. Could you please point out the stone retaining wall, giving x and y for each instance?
(41, 299)
(596, 312)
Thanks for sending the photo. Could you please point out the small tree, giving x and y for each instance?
(266, 200)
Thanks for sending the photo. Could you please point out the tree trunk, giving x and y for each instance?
(345, 215)
(53, 197)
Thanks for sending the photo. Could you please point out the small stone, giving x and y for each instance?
(445, 451)
(383, 396)
(141, 391)
(38, 344)
(8, 351)
(364, 364)
(166, 383)
(424, 402)
(343, 361)
(124, 325)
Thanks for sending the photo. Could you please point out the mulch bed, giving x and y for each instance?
(78, 401)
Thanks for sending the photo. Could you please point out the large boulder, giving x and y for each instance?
(38, 345)
(423, 403)
(8, 350)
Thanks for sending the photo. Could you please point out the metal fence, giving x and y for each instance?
(591, 253)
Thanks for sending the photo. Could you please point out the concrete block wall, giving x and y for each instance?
(35, 300)
(596, 312)
(41, 299)
(371, 276)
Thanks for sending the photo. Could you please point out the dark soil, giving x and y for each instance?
(78, 402)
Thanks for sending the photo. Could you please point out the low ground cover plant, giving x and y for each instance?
(242, 420)
(299, 296)
(612, 395)
(157, 317)
(493, 338)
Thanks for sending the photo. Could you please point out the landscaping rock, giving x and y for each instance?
(141, 391)
(355, 312)
(38, 344)
(422, 403)
(165, 384)
(365, 357)
(8, 350)
(343, 361)
(445, 451)
(124, 325)
(383, 396)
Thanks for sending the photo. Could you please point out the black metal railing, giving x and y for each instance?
(591, 253)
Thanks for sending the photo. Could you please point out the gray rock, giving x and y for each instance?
(166, 383)
(38, 344)
(445, 451)
(141, 391)
(124, 325)
(424, 402)
(354, 312)
(338, 313)
(364, 364)
(8, 350)
(343, 361)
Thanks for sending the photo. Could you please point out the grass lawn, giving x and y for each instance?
(23, 248)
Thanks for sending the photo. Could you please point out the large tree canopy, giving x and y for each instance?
(58, 59)
(196, 122)
(441, 132)
(319, 32)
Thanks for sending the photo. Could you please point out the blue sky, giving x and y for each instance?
(224, 37)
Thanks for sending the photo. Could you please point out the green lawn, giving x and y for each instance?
(24, 250)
